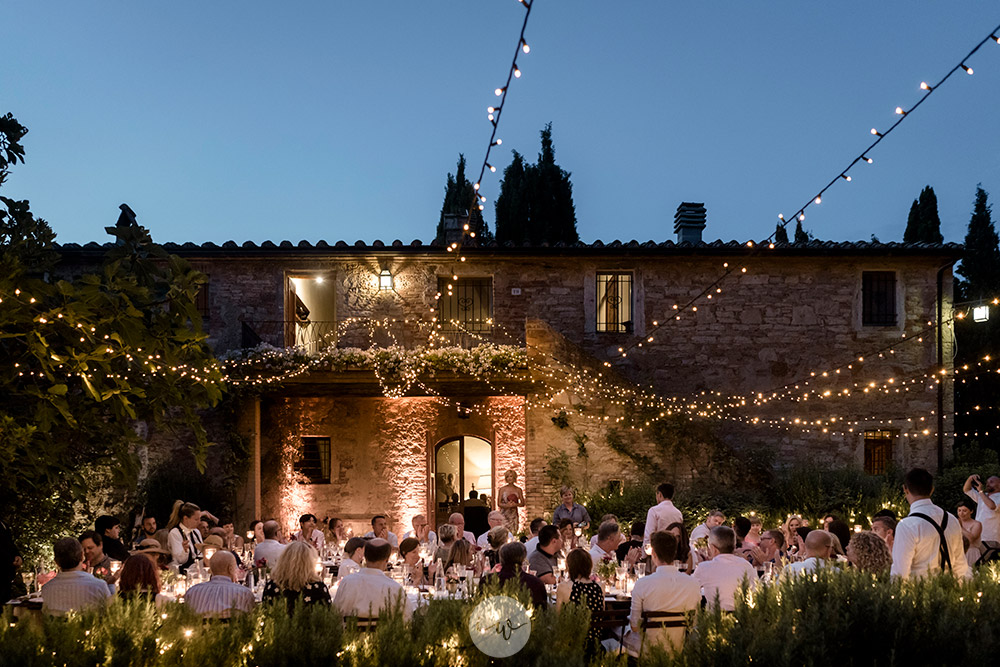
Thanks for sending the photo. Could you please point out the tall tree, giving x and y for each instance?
(980, 267)
(780, 234)
(537, 204)
(85, 358)
(923, 224)
(801, 235)
(459, 198)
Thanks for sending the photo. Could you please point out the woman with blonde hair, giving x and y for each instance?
(295, 577)
(869, 553)
(509, 498)
(459, 556)
(183, 537)
(789, 530)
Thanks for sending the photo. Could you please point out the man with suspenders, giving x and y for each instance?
(929, 539)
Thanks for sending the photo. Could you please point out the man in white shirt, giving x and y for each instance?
(608, 539)
(73, 589)
(458, 520)
(918, 548)
(310, 533)
(495, 519)
(818, 548)
(220, 596)
(368, 592)
(987, 499)
(354, 553)
(721, 577)
(536, 525)
(380, 530)
(715, 518)
(663, 513)
(269, 551)
(422, 531)
(664, 590)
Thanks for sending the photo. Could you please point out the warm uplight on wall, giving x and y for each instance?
(385, 281)
(981, 313)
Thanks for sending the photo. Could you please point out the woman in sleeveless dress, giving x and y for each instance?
(509, 498)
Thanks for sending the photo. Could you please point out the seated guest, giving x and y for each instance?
(511, 558)
(664, 590)
(409, 551)
(336, 530)
(769, 550)
(567, 533)
(230, 539)
(269, 551)
(684, 552)
(828, 519)
(496, 538)
(495, 520)
(220, 596)
(422, 531)
(604, 519)
(380, 529)
(446, 538)
(752, 538)
(817, 549)
(183, 537)
(636, 535)
(369, 592)
(460, 555)
(294, 578)
(608, 538)
(354, 552)
(98, 563)
(741, 526)
(720, 577)
(579, 589)
(147, 530)
(701, 531)
(458, 520)
(73, 588)
(533, 527)
(842, 532)
(156, 554)
(569, 509)
(801, 533)
(140, 580)
(109, 528)
(257, 528)
(869, 553)
(544, 562)
(309, 532)
(885, 527)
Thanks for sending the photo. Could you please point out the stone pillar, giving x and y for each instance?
(248, 504)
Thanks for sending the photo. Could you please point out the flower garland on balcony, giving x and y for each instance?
(397, 368)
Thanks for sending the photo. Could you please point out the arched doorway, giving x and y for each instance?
(461, 464)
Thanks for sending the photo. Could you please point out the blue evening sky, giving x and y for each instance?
(219, 120)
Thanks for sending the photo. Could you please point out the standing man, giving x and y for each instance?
(663, 513)
(569, 509)
(986, 498)
(309, 532)
(109, 528)
(929, 539)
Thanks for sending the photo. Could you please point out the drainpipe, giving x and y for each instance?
(942, 379)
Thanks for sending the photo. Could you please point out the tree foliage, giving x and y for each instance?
(980, 267)
(780, 234)
(535, 203)
(459, 196)
(923, 225)
(87, 358)
(801, 235)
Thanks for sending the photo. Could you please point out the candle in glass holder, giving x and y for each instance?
(249, 534)
(209, 552)
(115, 566)
(578, 531)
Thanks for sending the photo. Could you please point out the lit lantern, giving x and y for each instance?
(385, 281)
(981, 313)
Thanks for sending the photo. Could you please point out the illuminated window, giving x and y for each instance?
(314, 460)
(467, 306)
(878, 298)
(878, 451)
(614, 302)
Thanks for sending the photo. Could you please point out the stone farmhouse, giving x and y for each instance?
(822, 352)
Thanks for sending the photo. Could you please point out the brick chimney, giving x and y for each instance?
(689, 220)
(454, 227)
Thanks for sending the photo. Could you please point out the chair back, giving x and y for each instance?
(363, 623)
(612, 623)
(662, 620)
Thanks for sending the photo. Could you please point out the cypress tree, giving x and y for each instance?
(980, 267)
(801, 235)
(513, 205)
(923, 224)
(912, 233)
(780, 234)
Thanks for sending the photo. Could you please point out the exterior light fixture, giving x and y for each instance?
(385, 281)
(981, 313)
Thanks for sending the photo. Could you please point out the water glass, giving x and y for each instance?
(640, 569)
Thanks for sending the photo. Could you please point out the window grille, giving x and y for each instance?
(614, 302)
(878, 451)
(314, 460)
(878, 298)
(468, 306)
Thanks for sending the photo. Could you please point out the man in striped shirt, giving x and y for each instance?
(73, 589)
(220, 596)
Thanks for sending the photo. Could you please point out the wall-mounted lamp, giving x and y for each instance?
(385, 281)
(981, 313)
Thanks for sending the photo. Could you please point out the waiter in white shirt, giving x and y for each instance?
(987, 499)
(663, 513)
(929, 539)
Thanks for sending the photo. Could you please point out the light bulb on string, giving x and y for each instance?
(500, 91)
(968, 70)
(876, 132)
(524, 46)
(846, 177)
(517, 72)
